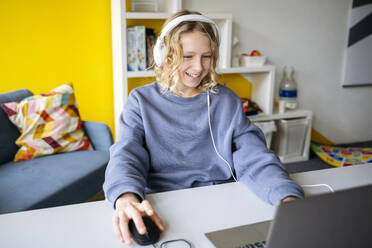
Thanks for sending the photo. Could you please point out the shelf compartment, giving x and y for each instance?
(266, 68)
(139, 74)
(262, 80)
(167, 6)
(147, 15)
(290, 115)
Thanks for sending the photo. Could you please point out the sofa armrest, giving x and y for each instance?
(99, 134)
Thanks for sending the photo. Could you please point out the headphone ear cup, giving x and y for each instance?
(162, 54)
(158, 52)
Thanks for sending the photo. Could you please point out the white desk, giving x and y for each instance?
(186, 213)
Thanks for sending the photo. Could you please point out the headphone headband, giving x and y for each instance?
(159, 50)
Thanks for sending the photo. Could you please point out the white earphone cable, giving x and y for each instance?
(227, 163)
(214, 145)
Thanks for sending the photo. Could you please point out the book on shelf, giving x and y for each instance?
(150, 43)
(140, 43)
(136, 48)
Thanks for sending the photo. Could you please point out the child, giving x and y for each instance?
(186, 130)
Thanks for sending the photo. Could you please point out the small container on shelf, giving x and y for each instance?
(144, 5)
(254, 59)
(288, 90)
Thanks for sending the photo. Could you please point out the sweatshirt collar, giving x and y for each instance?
(202, 97)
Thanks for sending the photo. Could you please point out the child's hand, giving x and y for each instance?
(128, 207)
(289, 198)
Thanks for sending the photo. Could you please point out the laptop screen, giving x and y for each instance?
(342, 219)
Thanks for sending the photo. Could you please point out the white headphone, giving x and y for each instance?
(159, 49)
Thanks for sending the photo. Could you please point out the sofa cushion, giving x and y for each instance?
(52, 180)
(9, 132)
(49, 123)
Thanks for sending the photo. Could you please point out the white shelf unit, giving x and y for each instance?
(119, 17)
(147, 15)
(288, 115)
(226, 70)
(263, 82)
(262, 78)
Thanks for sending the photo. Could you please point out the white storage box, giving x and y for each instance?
(267, 127)
(144, 5)
(290, 138)
(252, 61)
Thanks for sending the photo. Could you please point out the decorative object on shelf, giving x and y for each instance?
(144, 5)
(253, 59)
(287, 90)
(342, 156)
(250, 107)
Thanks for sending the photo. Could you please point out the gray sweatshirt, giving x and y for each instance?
(165, 144)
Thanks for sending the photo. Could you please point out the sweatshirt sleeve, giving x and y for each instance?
(258, 167)
(128, 167)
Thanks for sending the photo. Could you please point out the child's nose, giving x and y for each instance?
(197, 64)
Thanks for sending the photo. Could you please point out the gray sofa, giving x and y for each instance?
(52, 180)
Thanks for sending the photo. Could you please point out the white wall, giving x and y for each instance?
(311, 36)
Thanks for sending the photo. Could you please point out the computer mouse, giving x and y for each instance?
(151, 236)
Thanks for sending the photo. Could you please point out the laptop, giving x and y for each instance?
(342, 219)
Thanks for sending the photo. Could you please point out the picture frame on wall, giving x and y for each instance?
(357, 69)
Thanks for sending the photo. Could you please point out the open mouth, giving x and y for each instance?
(193, 75)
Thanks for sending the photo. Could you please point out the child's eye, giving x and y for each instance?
(207, 56)
(187, 57)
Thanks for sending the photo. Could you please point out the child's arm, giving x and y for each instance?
(129, 160)
(258, 167)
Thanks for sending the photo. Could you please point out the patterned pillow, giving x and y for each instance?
(49, 123)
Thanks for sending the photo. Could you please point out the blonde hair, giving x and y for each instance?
(168, 74)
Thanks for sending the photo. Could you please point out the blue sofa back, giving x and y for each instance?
(8, 131)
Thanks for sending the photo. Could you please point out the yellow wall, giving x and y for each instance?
(47, 43)
(319, 138)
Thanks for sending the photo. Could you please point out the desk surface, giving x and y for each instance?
(185, 213)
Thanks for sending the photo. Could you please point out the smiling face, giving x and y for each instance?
(196, 62)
